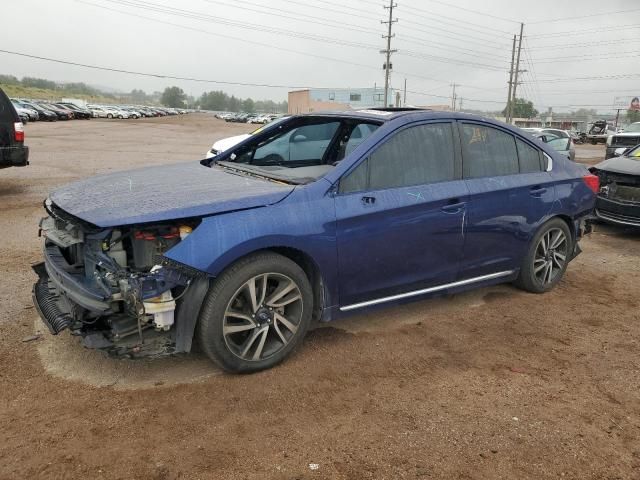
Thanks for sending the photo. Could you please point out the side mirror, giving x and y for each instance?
(298, 138)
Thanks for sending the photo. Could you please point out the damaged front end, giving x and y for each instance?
(115, 288)
(619, 198)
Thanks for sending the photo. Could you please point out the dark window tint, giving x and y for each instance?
(529, 157)
(488, 152)
(415, 156)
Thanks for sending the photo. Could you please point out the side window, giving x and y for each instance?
(488, 152)
(529, 157)
(415, 156)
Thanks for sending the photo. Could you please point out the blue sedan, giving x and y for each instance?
(311, 219)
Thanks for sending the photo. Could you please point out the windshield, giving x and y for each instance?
(300, 150)
(634, 153)
(633, 128)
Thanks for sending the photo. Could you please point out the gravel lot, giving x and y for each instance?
(495, 383)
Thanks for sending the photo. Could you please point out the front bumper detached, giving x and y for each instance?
(47, 302)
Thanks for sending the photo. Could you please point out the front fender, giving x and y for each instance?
(302, 222)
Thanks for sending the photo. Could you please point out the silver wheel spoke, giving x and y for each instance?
(229, 329)
(558, 240)
(260, 347)
(539, 264)
(279, 332)
(290, 326)
(257, 294)
(280, 292)
(548, 272)
(239, 315)
(250, 341)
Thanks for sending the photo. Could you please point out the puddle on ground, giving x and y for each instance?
(64, 357)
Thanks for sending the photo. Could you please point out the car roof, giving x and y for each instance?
(405, 116)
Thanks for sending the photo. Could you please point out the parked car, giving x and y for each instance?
(61, 113)
(619, 196)
(78, 112)
(113, 112)
(599, 132)
(619, 142)
(43, 114)
(560, 140)
(354, 210)
(13, 152)
(23, 110)
(227, 143)
(98, 112)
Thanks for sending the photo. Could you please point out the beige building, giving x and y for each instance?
(327, 99)
(300, 101)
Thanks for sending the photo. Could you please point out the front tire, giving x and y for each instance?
(256, 313)
(547, 259)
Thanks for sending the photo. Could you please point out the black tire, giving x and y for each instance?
(529, 278)
(109, 115)
(231, 351)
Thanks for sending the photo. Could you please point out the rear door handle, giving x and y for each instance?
(454, 207)
(368, 200)
(537, 191)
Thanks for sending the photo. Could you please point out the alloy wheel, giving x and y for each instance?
(551, 256)
(262, 317)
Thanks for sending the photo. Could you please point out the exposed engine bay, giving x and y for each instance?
(113, 287)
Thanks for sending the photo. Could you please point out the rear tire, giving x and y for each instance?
(547, 258)
(256, 313)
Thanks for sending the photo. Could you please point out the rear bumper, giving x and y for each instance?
(617, 212)
(15, 156)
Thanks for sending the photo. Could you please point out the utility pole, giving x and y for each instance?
(404, 103)
(517, 71)
(460, 105)
(513, 59)
(387, 65)
(453, 97)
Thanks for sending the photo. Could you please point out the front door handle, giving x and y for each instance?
(366, 200)
(537, 191)
(455, 207)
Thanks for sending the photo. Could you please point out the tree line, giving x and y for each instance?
(220, 101)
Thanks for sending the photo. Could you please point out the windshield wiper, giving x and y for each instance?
(254, 174)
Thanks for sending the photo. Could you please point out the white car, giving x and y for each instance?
(227, 143)
(116, 112)
(97, 112)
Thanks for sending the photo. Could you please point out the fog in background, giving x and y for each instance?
(328, 43)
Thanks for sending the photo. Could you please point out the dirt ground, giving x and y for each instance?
(495, 383)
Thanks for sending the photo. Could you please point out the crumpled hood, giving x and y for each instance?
(625, 165)
(156, 194)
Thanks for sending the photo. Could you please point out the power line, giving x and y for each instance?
(489, 30)
(477, 12)
(154, 75)
(245, 40)
(603, 14)
(571, 33)
(301, 17)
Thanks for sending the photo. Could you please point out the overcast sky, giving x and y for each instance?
(334, 43)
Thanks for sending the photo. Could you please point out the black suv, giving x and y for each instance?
(13, 152)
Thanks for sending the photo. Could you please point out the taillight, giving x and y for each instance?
(18, 128)
(593, 182)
